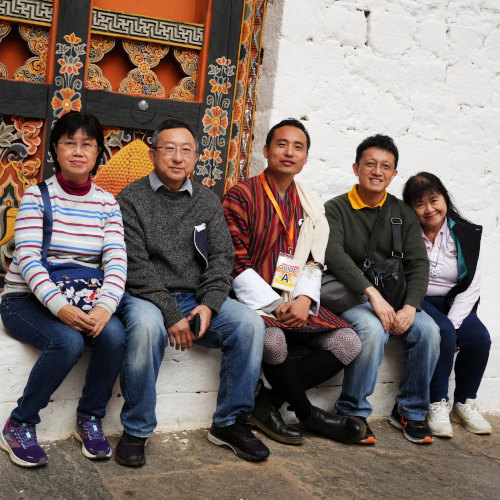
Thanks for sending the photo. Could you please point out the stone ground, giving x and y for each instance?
(186, 465)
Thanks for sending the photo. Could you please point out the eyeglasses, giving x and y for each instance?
(385, 167)
(86, 146)
(186, 152)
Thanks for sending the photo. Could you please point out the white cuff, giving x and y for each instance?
(253, 291)
(309, 284)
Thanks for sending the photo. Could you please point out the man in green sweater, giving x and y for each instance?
(180, 259)
(352, 217)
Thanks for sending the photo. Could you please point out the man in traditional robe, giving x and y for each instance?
(280, 234)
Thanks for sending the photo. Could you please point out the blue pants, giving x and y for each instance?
(473, 341)
(236, 330)
(421, 351)
(29, 321)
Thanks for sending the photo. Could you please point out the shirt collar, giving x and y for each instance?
(157, 184)
(443, 231)
(357, 203)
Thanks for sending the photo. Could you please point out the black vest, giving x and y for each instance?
(469, 237)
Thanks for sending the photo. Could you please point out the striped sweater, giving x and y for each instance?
(87, 230)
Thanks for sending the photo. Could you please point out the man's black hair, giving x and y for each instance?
(168, 124)
(378, 141)
(289, 122)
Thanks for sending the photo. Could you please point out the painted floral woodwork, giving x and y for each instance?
(99, 46)
(215, 121)
(71, 58)
(238, 160)
(142, 80)
(19, 161)
(186, 89)
(34, 69)
(226, 114)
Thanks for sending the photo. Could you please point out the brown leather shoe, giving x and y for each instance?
(130, 450)
(267, 417)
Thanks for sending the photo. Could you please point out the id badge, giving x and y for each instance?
(287, 270)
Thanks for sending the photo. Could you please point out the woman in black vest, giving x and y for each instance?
(453, 245)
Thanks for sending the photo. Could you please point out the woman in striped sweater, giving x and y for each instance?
(87, 230)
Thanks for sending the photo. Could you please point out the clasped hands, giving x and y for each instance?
(91, 323)
(393, 322)
(294, 313)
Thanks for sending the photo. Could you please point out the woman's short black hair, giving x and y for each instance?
(426, 184)
(69, 124)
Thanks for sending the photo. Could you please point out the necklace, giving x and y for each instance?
(434, 272)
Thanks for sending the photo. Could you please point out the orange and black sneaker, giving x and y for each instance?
(369, 438)
(415, 431)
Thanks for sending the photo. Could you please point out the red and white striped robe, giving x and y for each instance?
(258, 238)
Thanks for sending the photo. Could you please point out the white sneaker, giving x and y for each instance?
(438, 419)
(468, 415)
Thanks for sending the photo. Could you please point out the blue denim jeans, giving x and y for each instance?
(474, 344)
(421, 351)
(29, 321)
(236, 330)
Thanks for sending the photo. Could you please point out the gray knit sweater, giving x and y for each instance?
(159, 229)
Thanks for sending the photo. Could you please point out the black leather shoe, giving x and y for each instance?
(130, 451)
(340, 428)
(267, 417)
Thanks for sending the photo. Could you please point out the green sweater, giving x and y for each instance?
(350, 232)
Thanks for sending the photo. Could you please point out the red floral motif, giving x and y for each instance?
(143, 68)
(30, 131)
(218, 87)
(107, 131)
(70, 65)
(215, 121)
(30, 170)
(223, 61)
(66, 100)
(210, 154)
(209, 182)
(73, 39)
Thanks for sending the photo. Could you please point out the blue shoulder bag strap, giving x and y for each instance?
(47, 222)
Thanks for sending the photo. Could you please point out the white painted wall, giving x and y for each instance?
(426, 73)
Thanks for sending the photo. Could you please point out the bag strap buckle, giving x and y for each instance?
(396, 220)
(398, 255)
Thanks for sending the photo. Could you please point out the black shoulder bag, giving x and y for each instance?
(388, 276)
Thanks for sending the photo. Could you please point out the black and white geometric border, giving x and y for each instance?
(107, 22)
(34, 11)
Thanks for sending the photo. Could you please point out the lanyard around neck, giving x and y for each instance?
(289, 230)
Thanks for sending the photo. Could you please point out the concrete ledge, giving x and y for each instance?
(187, 387)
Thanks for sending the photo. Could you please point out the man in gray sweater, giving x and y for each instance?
(180, 258)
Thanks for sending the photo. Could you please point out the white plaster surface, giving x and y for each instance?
(428, 74)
